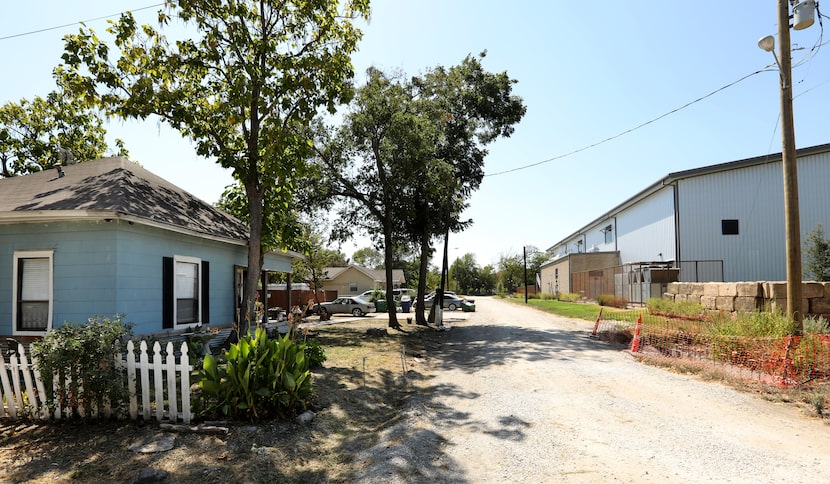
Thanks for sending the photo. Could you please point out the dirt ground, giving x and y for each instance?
(360, 388)
(510, 394)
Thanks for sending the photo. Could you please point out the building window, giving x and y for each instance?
(729, 227)
(32, 302)
(609, 234)
(352, 287)
(187, 289)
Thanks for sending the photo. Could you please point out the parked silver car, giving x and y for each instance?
(396, 293)
(451, 300)
(346, 305)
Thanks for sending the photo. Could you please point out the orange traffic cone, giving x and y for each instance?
(635, 343)
(596, 325)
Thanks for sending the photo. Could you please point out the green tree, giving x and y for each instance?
(510, 272)
(817, 255)
(244, 89)
(411, 153)
(470, 108)
(372, 158)
(486, 280)
(312, 268)
(535, 259)
(464, 272)
(39, 134)
(368, 257)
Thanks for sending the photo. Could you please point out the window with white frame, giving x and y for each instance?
(33, 295)
(187, 289)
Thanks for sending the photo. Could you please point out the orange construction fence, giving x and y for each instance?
(790, 360)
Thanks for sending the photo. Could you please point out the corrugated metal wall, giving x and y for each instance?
(645, 230)
(754, 197)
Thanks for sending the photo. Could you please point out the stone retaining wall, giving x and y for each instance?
(750, 296)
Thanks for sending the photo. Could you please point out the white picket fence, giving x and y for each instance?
(22, 392)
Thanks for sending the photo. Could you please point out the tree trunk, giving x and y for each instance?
(387, 258)
(255, 258)
(420, 305)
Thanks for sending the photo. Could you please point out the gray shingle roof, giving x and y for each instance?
(119, 187)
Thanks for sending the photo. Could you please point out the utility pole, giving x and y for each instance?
(524, 250)
(790, 165)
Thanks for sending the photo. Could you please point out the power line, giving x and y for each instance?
(635, 128)
(75, 23)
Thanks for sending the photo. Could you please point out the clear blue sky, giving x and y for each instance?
(587, 71)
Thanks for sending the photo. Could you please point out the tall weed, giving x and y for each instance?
(668, 307)
(760, 324)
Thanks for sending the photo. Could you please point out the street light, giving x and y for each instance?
(803, 18)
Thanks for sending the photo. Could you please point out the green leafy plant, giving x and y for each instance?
(261, 378)
(77, 364)
(568, 297)
(377, 295)
(315, 353)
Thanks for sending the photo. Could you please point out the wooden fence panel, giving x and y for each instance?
(6, 395)
(22, 392)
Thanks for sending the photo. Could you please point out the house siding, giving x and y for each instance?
(81, 276)
(341, 283)
(114, 267)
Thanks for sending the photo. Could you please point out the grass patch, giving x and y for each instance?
(585, 311)
(658, 305)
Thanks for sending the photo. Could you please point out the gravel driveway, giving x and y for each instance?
(518, 395)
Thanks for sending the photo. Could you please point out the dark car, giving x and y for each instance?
(346, 305)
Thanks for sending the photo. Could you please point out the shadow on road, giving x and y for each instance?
(472, 348)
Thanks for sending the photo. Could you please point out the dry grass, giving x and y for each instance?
(361, 389)
(811, 397)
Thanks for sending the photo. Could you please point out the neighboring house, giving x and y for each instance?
(353, 279)
(108, 237)
(722, 222)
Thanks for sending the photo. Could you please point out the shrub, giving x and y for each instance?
(612, 301)
(315, 353)
(816, 325)
(261, 378)
(77, 364)
(668, 307)
(568, 297)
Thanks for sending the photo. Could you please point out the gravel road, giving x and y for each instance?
(518, 395)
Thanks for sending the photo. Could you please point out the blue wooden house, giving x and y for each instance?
(108, 237)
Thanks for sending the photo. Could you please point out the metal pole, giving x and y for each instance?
(790, 166)
(524, 250)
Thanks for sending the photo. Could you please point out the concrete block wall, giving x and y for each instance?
(750, 296)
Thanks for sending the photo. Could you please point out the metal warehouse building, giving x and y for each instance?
(722, 222)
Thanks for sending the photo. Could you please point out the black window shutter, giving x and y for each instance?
(205, 292)
(167, 293)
